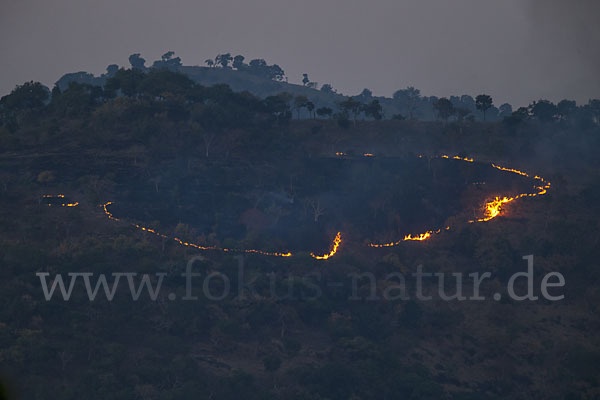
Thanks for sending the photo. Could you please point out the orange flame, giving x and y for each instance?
(59, 196)
(336, 244)
(194, 245)
(418, 237)
(459, 158)
(491, 209)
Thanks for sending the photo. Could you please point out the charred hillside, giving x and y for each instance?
(222, 169)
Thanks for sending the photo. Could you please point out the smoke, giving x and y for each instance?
(567, 37)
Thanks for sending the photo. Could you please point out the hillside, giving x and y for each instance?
(222, 169)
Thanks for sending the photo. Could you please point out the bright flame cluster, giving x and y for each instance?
(491, 209)
(336, 244)
(410, 237)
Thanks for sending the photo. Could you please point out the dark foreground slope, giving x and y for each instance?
(227, 169)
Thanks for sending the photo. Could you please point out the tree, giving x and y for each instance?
(351, 106)
(327, 88)
(566, 108)
(299, 103)
(594, 107)
(444, 108)
(317, 209)
(223, 60)
(209, 62)
(238, 62)
(128, 81)
(310, 106)
(259, 67)
(483, 102)
(305, 80)
(505, 110)
(324, 111)
(516, 118)
(544, 110)
(111, 70)
(409, 98)
(167, 61)
(365, 96)
(279, 106)
(275, 72)
(27, 96)
(137, 61)
(373, 110)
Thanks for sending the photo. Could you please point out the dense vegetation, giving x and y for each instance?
(234, 169)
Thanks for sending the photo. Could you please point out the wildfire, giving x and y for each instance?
(336, 244)
(491, 210)
(514, 171)
(59, 196)
(458, 158)
(194, 245)
(410, 237)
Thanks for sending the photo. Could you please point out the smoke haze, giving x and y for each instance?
(515, 50)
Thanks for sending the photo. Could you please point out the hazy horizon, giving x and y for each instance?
(517, 51)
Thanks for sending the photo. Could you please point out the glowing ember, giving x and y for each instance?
(458, 158)
(336, 244)
(194, 245)
(419, 238)
(58, 196)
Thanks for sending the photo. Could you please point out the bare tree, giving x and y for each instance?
(208, 141)
(317, 209)
(156, 180)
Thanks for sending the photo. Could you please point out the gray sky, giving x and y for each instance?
(515, 50)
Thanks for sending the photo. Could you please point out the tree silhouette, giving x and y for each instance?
(444, 108)
(223, 60)
(351, 106)
(310, 106)
(30, 95)
(137, 61)
(409, 98)
(483, 102)
(327, 88)
(544, 110)
(373, 110)
(299, 103)
(594, 107)
(238, 62)
(305, 80)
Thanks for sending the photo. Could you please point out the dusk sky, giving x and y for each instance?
(515, 50)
